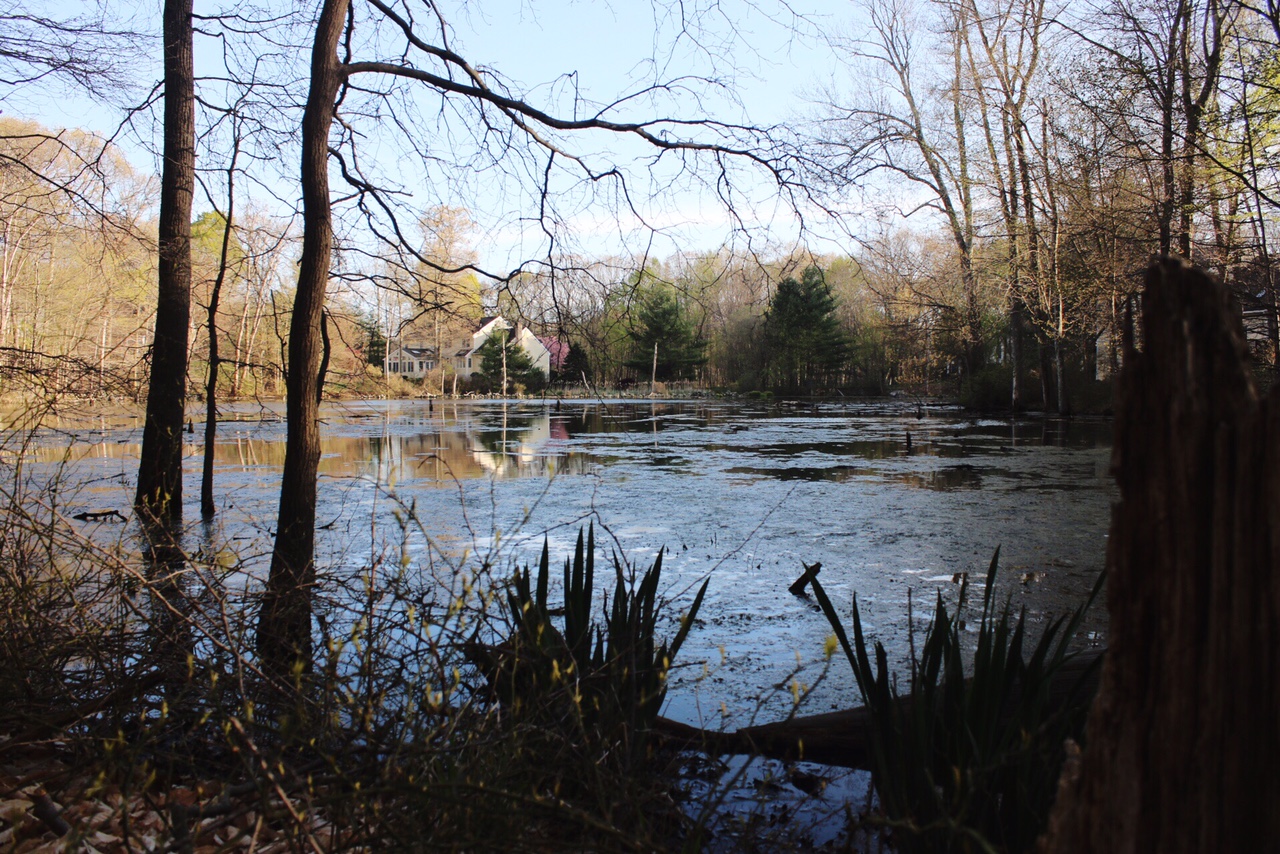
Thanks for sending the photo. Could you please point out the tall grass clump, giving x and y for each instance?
(968, 762)
(602, 682)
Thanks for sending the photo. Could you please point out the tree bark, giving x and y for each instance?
(1060, 360)
(1046, 371)
(208, 508)
(1015, 352)
(1182, 740)
(159, 495)
(284, 629)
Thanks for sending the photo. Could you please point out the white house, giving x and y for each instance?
(407, 360)
(537, 349)
(465, 359)
(415, 360)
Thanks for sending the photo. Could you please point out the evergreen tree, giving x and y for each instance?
(375, 343)
(805, 343)
(520, 367)
(576, 365)
(661, 321)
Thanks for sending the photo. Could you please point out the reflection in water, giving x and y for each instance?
(449, 442)
(739, 491)
(455, 445)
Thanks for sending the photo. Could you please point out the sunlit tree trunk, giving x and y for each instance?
(284, 629)
(1002, 51)
(159, 495)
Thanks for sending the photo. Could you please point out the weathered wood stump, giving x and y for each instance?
(801, 584)
(1183, 739)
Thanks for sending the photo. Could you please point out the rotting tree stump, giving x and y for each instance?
(1183, 740)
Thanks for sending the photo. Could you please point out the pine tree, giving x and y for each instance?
(805, 343)
(576, 365)
(375, 343)
(661, 321)
(520, 367)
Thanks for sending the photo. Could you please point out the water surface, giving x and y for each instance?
(739, 493)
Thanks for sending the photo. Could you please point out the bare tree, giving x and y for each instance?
(84, 50)
(1002, 49)
(911, 125)
(207, 506)
(426, 61)
(61, 176)
(1156, 68)
(159, 494)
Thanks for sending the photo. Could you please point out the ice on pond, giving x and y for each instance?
(741, 492)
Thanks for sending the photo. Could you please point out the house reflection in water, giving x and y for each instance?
(438, 450)
(454, 443)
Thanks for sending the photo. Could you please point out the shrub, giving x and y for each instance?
(989, 389)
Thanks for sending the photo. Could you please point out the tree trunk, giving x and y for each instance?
(207, 505)
(974, 355)
(1046, 372)
(159, 495)
(1015, 352)
(284, 630)
(1182, 740)
(1060, 361)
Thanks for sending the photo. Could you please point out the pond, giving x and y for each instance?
(738, 492)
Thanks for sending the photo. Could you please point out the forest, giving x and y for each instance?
(1000, 175)
(265, 197)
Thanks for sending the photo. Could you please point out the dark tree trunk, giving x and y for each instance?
(1060, 362)
(973, 349)
(159, 495)
(284, 630)
(1046, 372)
(1183, 739)
(207, 506)
(1060, 375)
(1015, 352)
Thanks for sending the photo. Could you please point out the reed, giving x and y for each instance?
(606, 680)
(968, 761)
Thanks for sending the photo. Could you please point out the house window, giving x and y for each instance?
(422, 366)
(468, 361)
(395, 366)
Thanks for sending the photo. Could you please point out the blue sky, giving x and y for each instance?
(767, 55)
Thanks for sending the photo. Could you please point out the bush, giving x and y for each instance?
(990, 389)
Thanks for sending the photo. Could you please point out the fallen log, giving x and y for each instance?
(843, 738)
(99, 515)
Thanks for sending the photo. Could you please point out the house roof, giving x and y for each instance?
(485, 321)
